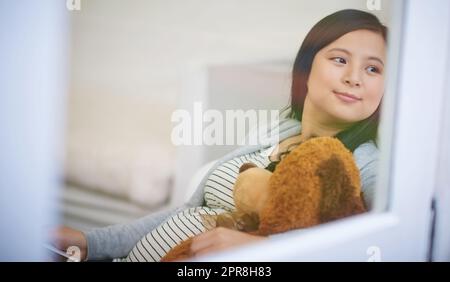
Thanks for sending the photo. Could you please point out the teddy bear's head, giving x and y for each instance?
(317, 182)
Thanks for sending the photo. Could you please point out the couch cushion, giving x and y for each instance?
(120, 145)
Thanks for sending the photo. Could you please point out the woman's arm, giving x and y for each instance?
(117, 240)
(106, 243)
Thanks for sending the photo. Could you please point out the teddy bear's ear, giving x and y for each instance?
(338, 198)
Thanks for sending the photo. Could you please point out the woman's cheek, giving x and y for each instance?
(332, 75)
(373, 100)
(376, 91)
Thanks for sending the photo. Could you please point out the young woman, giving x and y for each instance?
(337, 88)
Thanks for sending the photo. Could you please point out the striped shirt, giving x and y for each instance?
(218, 196)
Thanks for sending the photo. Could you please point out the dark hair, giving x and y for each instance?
(322, 34)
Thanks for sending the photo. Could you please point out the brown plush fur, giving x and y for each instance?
(179, 252)
(316, 183)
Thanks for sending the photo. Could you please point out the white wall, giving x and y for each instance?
(140, 46)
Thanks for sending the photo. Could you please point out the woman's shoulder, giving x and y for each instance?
(368, 147)
(366, 153)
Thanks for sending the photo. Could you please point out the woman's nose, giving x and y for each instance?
(352, 79)
(352, 83)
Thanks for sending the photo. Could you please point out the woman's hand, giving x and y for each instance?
(220, 239)
(64, 237)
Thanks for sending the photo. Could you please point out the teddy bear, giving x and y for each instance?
(315, 183)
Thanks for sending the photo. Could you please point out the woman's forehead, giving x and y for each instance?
(363, 43)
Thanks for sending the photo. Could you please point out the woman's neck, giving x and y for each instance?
(316, 124)
(311, 128)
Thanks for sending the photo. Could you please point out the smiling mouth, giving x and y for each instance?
(347, 96)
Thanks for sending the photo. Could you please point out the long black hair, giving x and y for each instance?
(322, 34)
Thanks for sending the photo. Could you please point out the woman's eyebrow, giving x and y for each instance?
(340, 49)
(376, 59)
(348, 53)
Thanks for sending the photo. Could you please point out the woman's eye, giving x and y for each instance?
(339, 60)
(373, 69)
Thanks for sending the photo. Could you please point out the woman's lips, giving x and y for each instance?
(346, 97)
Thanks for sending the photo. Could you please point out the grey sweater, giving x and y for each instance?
(117, 240)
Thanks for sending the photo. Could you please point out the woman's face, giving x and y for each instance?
(346, 82)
